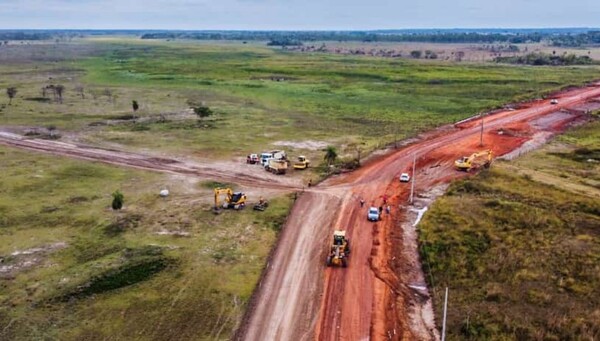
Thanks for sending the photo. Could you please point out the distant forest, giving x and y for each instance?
(566, 37)
(25, 35)
(296, 37)
(287, 38)
(583, 39)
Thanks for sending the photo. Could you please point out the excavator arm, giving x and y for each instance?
(219, 192)
(466, 163)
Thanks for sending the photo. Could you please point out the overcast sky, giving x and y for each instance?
(296, 14)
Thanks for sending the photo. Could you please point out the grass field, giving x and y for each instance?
(445, 51)
(260, 95)
(73, 269)
(519, 246)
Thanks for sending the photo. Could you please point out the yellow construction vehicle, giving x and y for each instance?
(466, 163)
(302, 162)
(233, 200)
(340, 249)
(261, 205)
(276, 166)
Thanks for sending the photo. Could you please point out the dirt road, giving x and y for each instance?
(243, 174)
(374, 298)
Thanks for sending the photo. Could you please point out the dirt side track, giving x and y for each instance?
(299, 298)
(225, 171)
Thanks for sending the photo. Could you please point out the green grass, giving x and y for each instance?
(519, 246)
(117, 277)
(331, 98)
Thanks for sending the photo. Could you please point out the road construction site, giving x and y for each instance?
(380, 295)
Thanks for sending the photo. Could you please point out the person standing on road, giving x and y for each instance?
(384, 199)
(362, 202)
(380, 210)
(388, 209)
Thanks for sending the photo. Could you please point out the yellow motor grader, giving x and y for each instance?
(340, 249)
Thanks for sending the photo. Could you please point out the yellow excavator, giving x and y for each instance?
(340, 249)
(302, 162)
(233, 200)
(466, 163)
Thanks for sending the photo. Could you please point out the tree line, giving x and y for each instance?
(20, 35)
(547, 59)
(285, 37)
(577, 40)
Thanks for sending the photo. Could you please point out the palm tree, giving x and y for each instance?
(330, 155)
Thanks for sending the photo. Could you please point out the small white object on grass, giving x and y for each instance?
(164, 193)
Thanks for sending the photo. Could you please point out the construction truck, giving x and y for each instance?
(235, 200)
(467, 163)
(340, 249)
(302, 162)
(276, 166)
(252, 159)
(275, 154)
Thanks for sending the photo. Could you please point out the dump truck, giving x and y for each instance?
(276, 166)
(274, 154)
(340, 249)
(302, 162)
(466, 163)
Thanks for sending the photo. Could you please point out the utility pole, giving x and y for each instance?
(444, 322)
(481, 135)
(412, 185)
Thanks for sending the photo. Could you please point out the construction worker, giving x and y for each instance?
(388, 209)
(309, 182)
(362, 202)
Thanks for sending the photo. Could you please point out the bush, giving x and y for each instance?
(416, 54)
(118, 200)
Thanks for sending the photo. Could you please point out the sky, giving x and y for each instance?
(296, 14)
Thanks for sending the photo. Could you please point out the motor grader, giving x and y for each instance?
(467, 163)
(340, 249)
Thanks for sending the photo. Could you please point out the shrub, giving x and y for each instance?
(118, 200)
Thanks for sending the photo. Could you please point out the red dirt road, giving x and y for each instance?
(300, 299)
